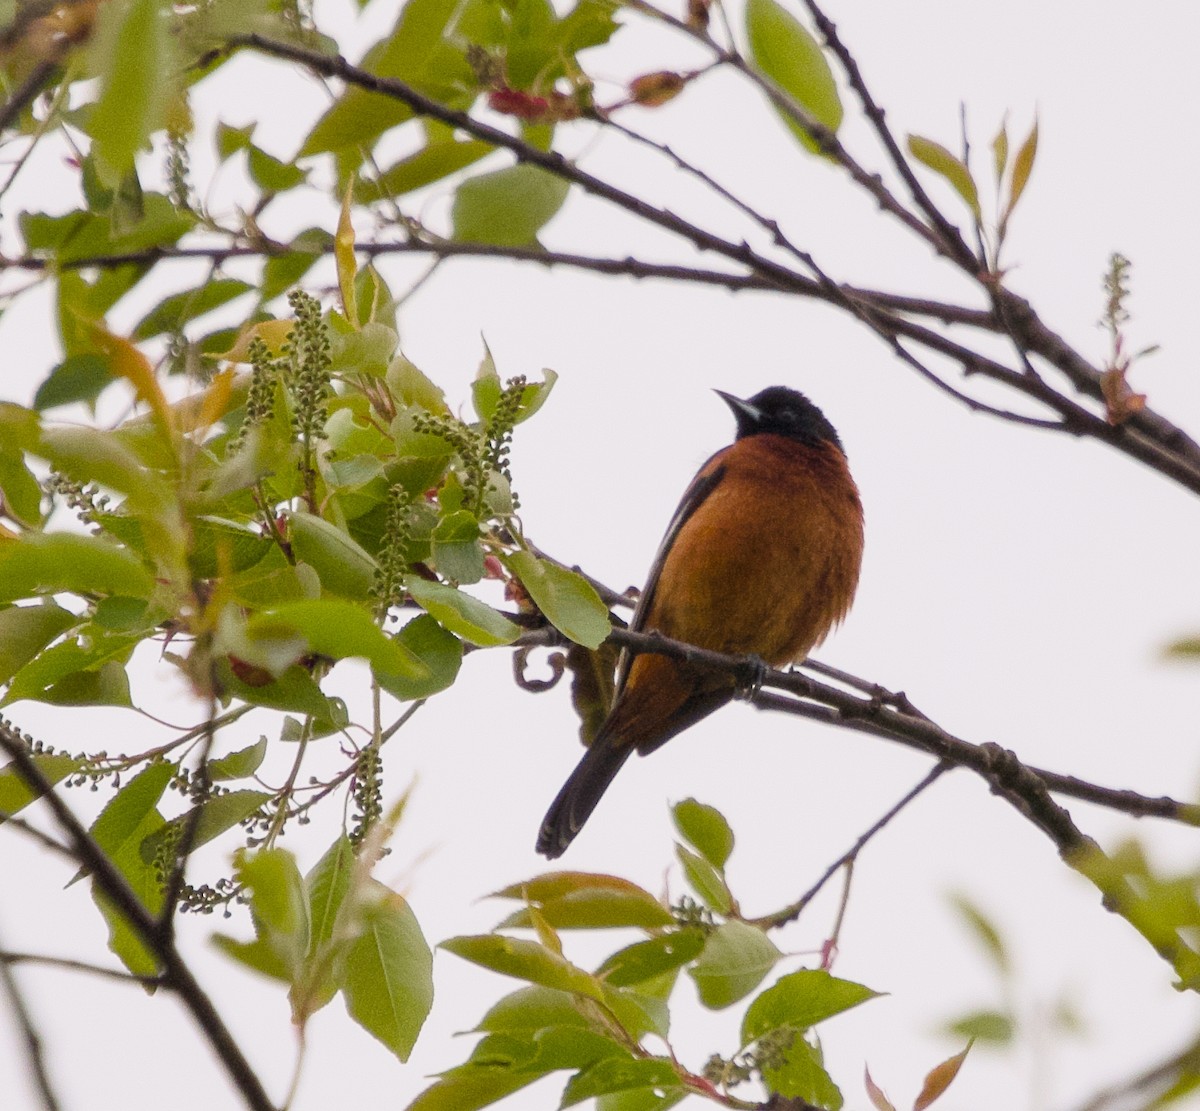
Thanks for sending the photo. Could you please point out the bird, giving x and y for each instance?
(761, 559)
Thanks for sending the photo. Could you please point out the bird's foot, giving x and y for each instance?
(750, 676)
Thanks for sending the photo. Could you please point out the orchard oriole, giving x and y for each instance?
(761, 559)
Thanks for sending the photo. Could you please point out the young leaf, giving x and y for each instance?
(439, 650)
(736, 958)
(796, 1071)
(644, 960)
(388, 981)
(526, 960)
(706, 880)
(338, 630)
(278, 903)
(791, 57)
(135, 61)
(327, 886)
(507, 208)
(568, 601)
(216, 816)
(954, 170)
(1022, 168)
(617, 1074)
(342, 564)
(467, 617)
(1000, 152)
(799, 1001)
(26, 630)
(240, 764)
(985, 932)
(16, 794)
(597, 909)
(343, 253)
(940, 1078)
(706, 829)
(875, 1093)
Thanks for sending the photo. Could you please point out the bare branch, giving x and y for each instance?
(31, 1036)
(793, 910)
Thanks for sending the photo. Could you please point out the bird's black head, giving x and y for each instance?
(782, 412)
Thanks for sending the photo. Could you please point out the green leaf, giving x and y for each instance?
(106, 458)
(16, 794)
(706, 829)
(558, 884)
(281, 272)
(984, 931)
(388, 981)
(125, 822)
(799, 1001)
(76, 378)
(615, 1074)
(534, 1008)
(342, 564)
(81, 234)
(122, 615)
(641, 1099)
(221, 547)
(644, 960)
(439, 650)
(706, 880)
(232, 139)
(736, 958)
(597, 909)
(467, 617)
(115, 829)
(20, 490)
(487, 388)
(1000, 152)
(432, 163)
(218, 814)
(338, 630)
(412, 387)
(271, 174)
(240, 764)
(791, 57)
(995, 1027)
(526, 960)
(50, 563)
(80, 669)
(278, 903)
(954, 170)
(410, 52)
(507, 208)
(173, 312)
(568, 601)
(366, 350)
(798, 1072)
(257, 955)
(327, 886)
(471, 1090)
(26, 630)
(134, 50)
(457, 553)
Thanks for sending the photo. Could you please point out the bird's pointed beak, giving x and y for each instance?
(743, 410)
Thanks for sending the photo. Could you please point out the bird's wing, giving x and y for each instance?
(705, 482)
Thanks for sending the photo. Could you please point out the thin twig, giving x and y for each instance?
(793, 910)
(34, 1049)
(10, 957)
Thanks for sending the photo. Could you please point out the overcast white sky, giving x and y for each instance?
(1019, 586)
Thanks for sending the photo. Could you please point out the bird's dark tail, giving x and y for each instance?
(580, 793)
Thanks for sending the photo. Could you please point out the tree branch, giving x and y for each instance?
(31, 1036)
(176, 975)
